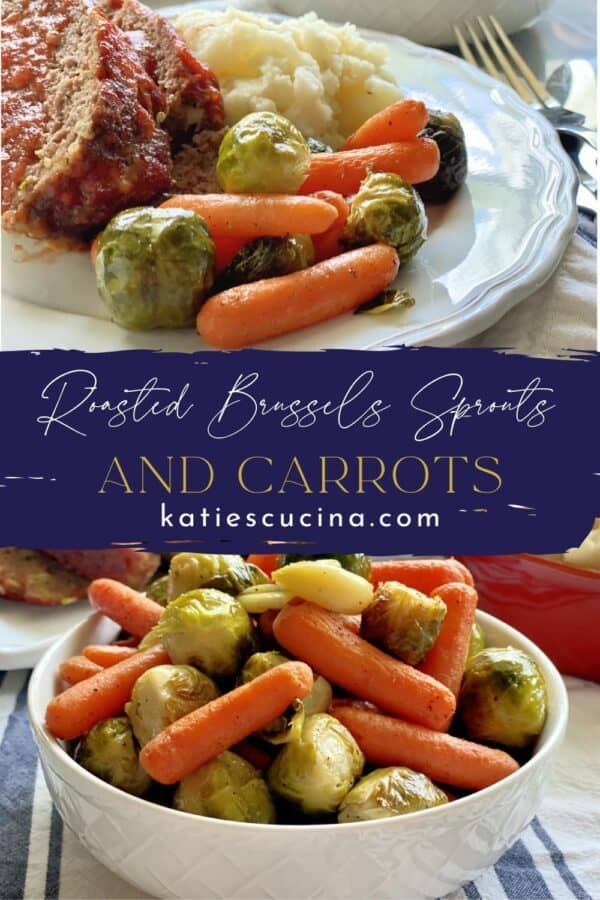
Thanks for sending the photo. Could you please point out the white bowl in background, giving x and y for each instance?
(172, 854)
(423, 21)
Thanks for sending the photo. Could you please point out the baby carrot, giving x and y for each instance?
(133, 611)
(447, 658)
(266, 619)
(80, 707)
(105, 655)
(256, 756)
(451, 760)
(255, 215)
(320, 639)
(265, 622)
(77, 668)
(352, 623)
(329, 243)
(268, 562)
(251, 313)
(401, 121)
(194, 739)
(415, 161)
(226, 249)
(424, 575)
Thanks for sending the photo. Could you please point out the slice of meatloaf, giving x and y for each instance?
(79, 120)
(193, 98)
(132, 567)
(34, 577)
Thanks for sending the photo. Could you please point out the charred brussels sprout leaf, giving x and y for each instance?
(388, 210)
(154, 267)
(445, 129)
(263, 153)
(394, 791)
(108, 751)
(164, 694)
(503, 698)
(403, 621)
(208, 629)
(224, 572)
(227, 787)
(386, 301)
(358, 563)
(268, 257)
(317, 146)
(315, 772)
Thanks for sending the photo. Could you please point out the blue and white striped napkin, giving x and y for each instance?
(556, 857)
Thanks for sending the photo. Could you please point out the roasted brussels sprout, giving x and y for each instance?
(387, 209)
(503, 698)
(164, 694)
(403, 621)
(477, 641)
(268, 257)
(154, 267)
(389, 792)
(315, 772)
(227, 787)
(445, 129)
(158, 590)
(358, 563)
(288, 726)
(208, 629)
(108, 751)
(263, 153)
(151, 639)
(317, 146)
(227, 573)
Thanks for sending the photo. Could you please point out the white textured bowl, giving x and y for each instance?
(172, 854)
(423, 21)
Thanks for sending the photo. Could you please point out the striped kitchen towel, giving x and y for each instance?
(556, 857)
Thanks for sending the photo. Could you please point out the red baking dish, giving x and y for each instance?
(556, 605)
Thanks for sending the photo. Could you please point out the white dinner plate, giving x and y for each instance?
(490, 247)
(26, 631)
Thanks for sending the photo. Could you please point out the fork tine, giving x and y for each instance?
(485, 56)
(464, 47)
(522, 90)
(534, 83)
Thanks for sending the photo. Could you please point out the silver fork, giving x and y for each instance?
(499, 57)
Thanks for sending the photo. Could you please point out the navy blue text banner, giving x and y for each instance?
(418, 451)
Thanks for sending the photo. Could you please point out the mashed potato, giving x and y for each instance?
(325, 78)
